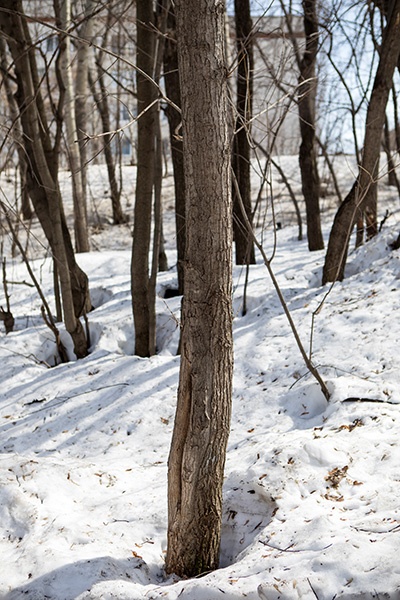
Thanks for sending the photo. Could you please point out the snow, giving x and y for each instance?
(312, 488)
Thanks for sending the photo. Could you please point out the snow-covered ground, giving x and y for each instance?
(312, 488)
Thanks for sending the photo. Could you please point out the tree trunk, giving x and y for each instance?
(26, 207)
(142, 304)
(244, 245)
(197, 456)
(363, 195)
(391, 166)
(173, 91)
(80, 214)
(83, 92)
(16, 132)
(306, 104)
(102, 104)
(396, 117)
(42, 167)
(159, 260)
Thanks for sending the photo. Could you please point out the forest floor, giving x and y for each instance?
(312, 488)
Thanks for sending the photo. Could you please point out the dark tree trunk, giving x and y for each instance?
(26, 207)
(102, 106)
(173, 91)
(244, 245)
(306, 104)
(142, 304)
(392, 178)
(363, 196)
(396, 117)
(16, 132)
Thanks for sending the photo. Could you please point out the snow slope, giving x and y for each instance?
(312, 488)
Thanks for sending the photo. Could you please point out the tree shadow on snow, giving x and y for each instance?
(70, 581)
(95, 385)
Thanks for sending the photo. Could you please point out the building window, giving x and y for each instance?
(51, 43)
(126, 146)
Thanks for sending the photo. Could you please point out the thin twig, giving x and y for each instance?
(310, 366)
(313, 591)
(62, 399)
(290, 548)
(45, 310)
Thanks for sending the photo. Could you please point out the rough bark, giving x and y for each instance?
(306, 105)
(362, 198)
(142, 302)
(197, 456)
(173, 92)
(244, 246)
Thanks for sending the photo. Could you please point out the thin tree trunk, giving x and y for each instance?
(244, 245)
(392, 180)
(82, 93)
(80, 214)
(197, 456)
(159, 260)
(157, 251)
(288, 187)
(102, 104)
(26, 207)
(306, 104)
(142, 301)
(16, 133)
(363, 195)
(329, 164)
(396, 118)
(173, 91)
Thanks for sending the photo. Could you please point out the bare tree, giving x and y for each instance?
(82, 92)
(98, 86)
(241, 145)
(306, 102)
(159, 259)
(306, 105)
(350, 33)
(173, 91)
(71, 134)
(363, 195)
(15, 131)
(42, 161)
(201, 430)
(142, 304)
(391, 164)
